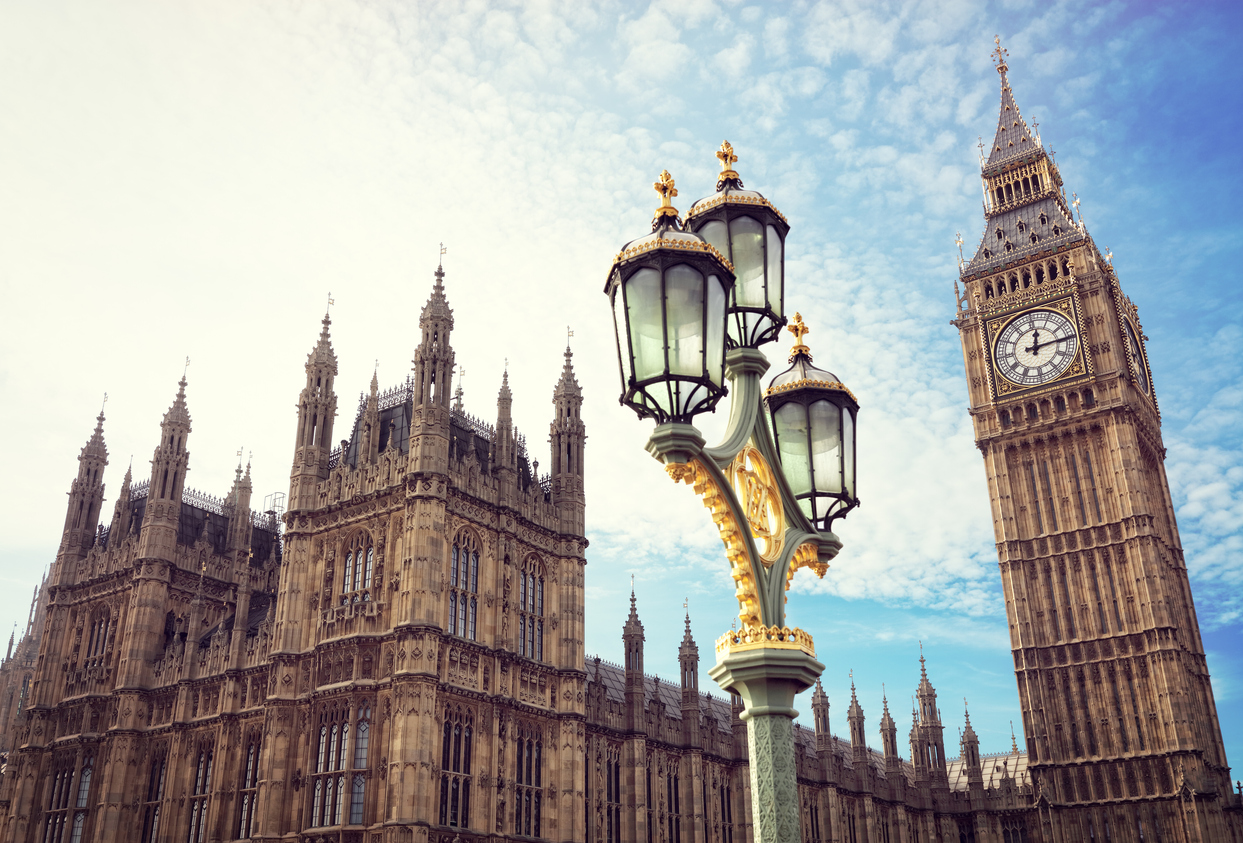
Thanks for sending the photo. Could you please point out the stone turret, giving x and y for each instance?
(820, 714)
(971, 753)
(632, 641)
(858, 739)
(568, 438)
(169, 465)
(688, 665)
(86, 497)
(433, 382)
(317, 408)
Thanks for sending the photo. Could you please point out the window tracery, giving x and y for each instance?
(464, 586)
(200, 794)
(455, 767)
(531, 610)
(357, 570)
(528, 797)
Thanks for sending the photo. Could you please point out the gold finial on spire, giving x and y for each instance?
(999, 55)
(799, 330)
(665, 187)
(727, 158)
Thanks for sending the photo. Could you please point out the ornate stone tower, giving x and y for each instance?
(317, 408)
(1115, 695)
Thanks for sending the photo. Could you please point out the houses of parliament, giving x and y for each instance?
(399, 656)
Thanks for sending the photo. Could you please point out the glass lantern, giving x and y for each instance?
(813, 416)
(669, 291)
(745, 228)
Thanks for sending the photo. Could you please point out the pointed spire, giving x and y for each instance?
(1014, 744)
(437, 307)
(1013, 138)
(178, 413)
(968, 733)
(567, 386)
(686, 636)
(505, 394)
(323, 352)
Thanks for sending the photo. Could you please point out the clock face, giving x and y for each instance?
(1137, 354)
(1036, 347)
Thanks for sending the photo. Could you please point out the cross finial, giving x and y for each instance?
(665, 187)
(1109, 259)
(727, 158)
(999, 55)
(799, 330)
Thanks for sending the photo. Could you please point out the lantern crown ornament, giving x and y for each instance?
(750, 232)
(669, 290)
(814, 415)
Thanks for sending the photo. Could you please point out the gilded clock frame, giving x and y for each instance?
(1080, 368)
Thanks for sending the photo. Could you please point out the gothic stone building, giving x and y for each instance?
(400, 656)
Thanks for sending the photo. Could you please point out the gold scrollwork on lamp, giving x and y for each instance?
(756, 487)
(731, 534)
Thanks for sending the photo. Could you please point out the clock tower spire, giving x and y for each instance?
(1112, 680)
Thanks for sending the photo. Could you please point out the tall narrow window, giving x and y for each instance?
(247, 791)
(199, 796)
(612, 795)
(1074, 471)
(356, 572)
(56, 816)
(455, 756)
(1113, 594)
(362, 740)
(1044, 468)
(155, 796)
(528, 796)
(1100, 603)
(531, 610)
(727, 813)
(674, 806)
(1070, 607)
(1031, 474)
(327, 785)
(464, 586)
(1057, 630)
(1087, 461)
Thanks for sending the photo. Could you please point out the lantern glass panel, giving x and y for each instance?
(684, 313)
(623, 343)
(714, 232)
(848, 445)
(774, 271)
(647, 330)
(716, 330)
(826, 446)
(747, 241)
(790, 422)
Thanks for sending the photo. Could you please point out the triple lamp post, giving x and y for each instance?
(692, 305)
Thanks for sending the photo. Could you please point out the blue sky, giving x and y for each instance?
(195, 180)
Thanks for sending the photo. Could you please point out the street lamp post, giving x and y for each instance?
(692, 305)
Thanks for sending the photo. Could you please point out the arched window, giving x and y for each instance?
(356, 572)
(1005, 418)
(247, 790)
(464, 586)
(99, 637)
(358, 786)
(331, 752)
(531, 610)
(199, 795)
(528, 778)
(612, 794)
(155, 796)
(455, 757)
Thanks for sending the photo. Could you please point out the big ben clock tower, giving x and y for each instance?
(1122, 733)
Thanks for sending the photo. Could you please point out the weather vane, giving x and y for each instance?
(187, 366)
(331, 300)
(958, 241)
(105, 404)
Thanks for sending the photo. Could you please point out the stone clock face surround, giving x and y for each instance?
(1035, 347)
(1137, 354)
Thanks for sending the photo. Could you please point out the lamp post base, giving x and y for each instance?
(768, 679)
